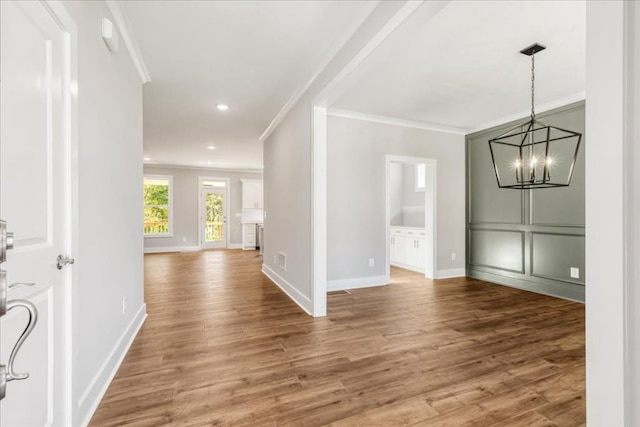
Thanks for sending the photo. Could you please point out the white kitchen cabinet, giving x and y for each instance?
(397, 249)
(248, 237)
(407, 248)
(252, 194)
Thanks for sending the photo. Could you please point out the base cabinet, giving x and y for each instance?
(248, 237)
(407, 248)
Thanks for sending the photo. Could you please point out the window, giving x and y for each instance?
(158, 219)
(421, 176)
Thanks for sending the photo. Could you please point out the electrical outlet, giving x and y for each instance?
(453, 256)
(275, 259)
(184, 239)
(372, 262)
(575, 273)
(124, 306)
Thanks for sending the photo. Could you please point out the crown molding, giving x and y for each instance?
(120, 18)
(202, 168)
(394, 121)
(297, 94)
(576, 97)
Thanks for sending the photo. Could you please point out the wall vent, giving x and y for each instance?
(281, 261)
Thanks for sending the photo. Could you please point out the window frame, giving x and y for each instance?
(168, 178)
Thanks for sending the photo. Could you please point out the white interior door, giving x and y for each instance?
(213, 216)
(34, 199)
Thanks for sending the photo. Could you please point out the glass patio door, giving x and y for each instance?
(214, 227)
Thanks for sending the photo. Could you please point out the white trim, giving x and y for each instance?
(221, 170)
(227, 203)
(430, 227)
(576, 97)
(631, 212)
(120, 18)
(607, 374)
(289, 289)
(234, 246)
(297, 94)
(451, 273)
(408, 267)
(319, 212)
(334, 112)
(166, 249)
(357, 283)
(98, 386)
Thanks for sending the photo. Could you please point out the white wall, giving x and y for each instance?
(108, 241)
(612, 246)
(356, 193)
(288, 172)
(185, 205)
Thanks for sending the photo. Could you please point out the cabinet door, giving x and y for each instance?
(247, 196)
(410, 251)
(259, 193)
(420, 253)
(397, 252)
(252, 195)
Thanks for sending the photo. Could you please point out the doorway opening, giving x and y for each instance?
(411, 214)
(213, 212)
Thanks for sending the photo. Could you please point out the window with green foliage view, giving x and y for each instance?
(157, 206)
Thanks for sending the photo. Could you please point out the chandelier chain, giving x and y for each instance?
(533, 81)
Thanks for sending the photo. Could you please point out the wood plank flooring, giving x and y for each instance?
(224, 346)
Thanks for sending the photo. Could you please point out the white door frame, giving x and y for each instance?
(227, 185)
(430, 212)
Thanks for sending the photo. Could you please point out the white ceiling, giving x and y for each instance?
(250, 55)
(459, 69)
(462, 68)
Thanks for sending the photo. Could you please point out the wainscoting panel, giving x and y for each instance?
(552, 253)
(490, 203)
(497, 249)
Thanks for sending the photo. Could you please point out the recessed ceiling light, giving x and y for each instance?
(222, 107)
(211, 147)
(208, 163)
(146, 159)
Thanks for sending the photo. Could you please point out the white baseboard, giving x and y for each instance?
(163, 249)
(297, 296)
(408, 267)
(355, 283)
(451, 273)
(90, 399)
(234, 246)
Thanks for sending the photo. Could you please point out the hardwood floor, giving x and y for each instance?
(224, 346)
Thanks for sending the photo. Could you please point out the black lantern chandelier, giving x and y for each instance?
(532, 154)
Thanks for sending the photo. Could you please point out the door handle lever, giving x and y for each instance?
(7, 373)
(63, 260)
(4, 288)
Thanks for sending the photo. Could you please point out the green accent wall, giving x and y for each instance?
(526, 239)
